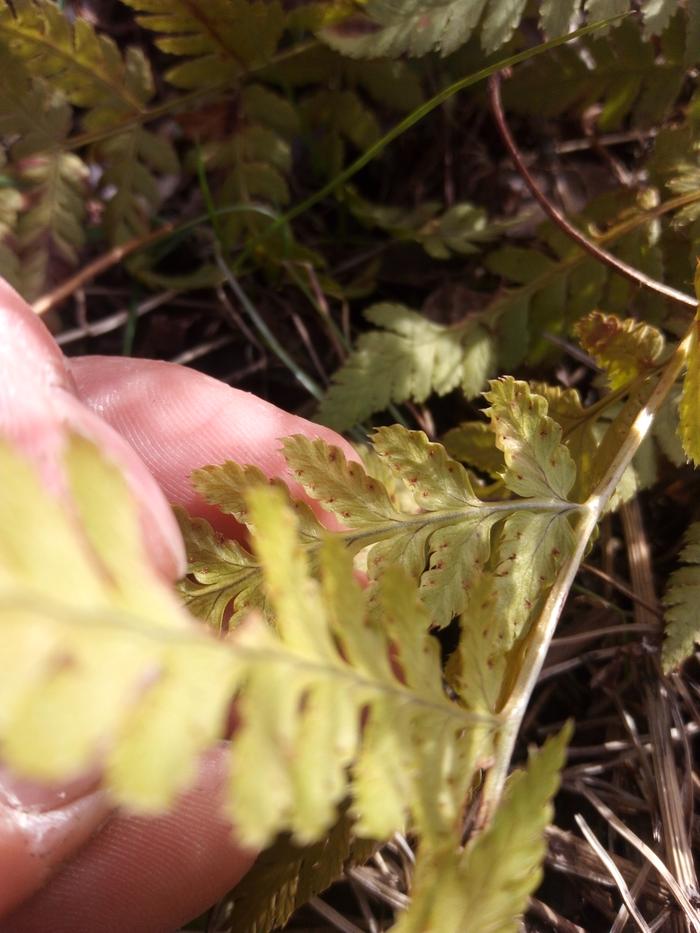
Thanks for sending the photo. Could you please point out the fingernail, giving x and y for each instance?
(23, 794)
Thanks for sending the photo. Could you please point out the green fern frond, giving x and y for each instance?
(222, 40)
(249, 165)
(89, 625)
(338, 117)
(33, 115)
(416, 28)
(537, 463)
(72, 64)
(622, 72)
(421, 26)
(286, 876)
(133, 160)
(408, 359)
(324, 651)
(46, 223)
(412, 357)
(87, 66)
(216, 568)
(51, 227)
(681, 602)
(473, 443)
(459, 229)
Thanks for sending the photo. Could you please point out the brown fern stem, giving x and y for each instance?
(602, 255)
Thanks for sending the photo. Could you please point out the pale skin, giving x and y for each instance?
(70, 862)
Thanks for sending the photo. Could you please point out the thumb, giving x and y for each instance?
(38, 407)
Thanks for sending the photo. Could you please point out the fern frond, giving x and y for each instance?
(133, 160)
(286, 876)
(460, 229)
(251, 163)
(87, 66)
(625, 349)
(338, 117)
(324, 651)
(71, 63)
(33, 116)
(537, 463)
(485, 887)
(622, 72)
(685, 179)
(47, 222)
(408, 359)
(107, 664)
(108, 668)
(52, 224)
(216, 568)
(449, 539)
(411, 357)
(472, 442)
(681, 603)
(422, 26)
(222, 40)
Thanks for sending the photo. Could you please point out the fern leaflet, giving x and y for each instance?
(286, 876)
(624, 349)
(681, 602)
(460, 229)
(222, 40)
(689, 406)
(408, 359)
(447, 538)
(421, 26)
(486, 886)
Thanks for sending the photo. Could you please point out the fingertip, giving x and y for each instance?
(146, 875)
(179, 420)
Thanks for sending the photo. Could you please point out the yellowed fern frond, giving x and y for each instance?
(49, 65)
(73, 56)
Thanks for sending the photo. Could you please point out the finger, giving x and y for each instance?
(38, 406)
(178, 420)
(145, 875)
(35, 838)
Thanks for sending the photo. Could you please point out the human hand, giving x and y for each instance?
(68, 860)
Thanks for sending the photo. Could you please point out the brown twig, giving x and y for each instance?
(98, 266)
(626, 591)
(602, 255)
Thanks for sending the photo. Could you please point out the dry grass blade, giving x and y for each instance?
(676, 890)
(337, 920)
(624, 914)
(658, 701)
(615, 873)
(552, 918)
